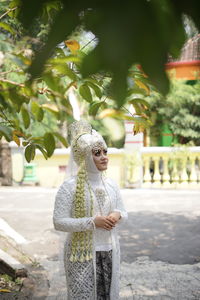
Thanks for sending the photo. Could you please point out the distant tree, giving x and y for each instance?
(180, 110)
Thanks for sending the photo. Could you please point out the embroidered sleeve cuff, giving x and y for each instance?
(92, 224)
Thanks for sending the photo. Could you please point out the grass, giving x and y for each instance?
(7, 284)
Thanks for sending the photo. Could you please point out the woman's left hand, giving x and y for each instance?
(114, 216)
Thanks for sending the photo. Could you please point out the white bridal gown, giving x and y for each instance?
(81, 276)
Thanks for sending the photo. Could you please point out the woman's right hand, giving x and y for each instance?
(103, 222)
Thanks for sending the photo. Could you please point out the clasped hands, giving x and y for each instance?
(107, 222)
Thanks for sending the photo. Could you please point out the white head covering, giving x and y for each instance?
(83, 140)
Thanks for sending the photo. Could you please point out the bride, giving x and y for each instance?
(89, 207)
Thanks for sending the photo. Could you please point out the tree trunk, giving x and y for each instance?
(5, 164)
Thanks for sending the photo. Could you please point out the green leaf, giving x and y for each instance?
(64, 60)
(25, 143)
(49, 143)
(140, 124)
(16, 99)
(6, 132)
(137, 108)
(30, 152)
(25, 117)
(7, 27)
(85, 92)
(37, 140)
(140, 101)
(142, 85)
(35, 107)
(27, 90)
(51, 110)
(63, 69)
(53, 82)
(4, 103)
(40, 115)
(94, 107)
(136, 90)
(37, 111)
(61, 139)
(44, 152)
(96, 89)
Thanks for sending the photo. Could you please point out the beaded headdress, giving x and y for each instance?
(83, 139)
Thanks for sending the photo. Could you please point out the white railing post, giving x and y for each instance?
(156, 176)
(147, 174)
(175, 175)
(193, 173)
(184, 175)
(166, 176)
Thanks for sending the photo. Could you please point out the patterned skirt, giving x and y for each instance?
(80, 278)
(103, 274)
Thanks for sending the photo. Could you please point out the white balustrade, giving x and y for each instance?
(171, 167)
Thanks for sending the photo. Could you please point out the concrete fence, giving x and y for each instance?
(156, 167)
(171, 167)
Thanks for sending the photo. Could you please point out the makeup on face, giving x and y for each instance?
(100, 158)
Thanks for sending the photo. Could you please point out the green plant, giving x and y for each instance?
(141, 31)
(33, 113)
(42, 60)
(18, 281)
(6, 277)
(180, 110)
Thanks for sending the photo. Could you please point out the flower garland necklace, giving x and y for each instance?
(100, 195)
(81, 248)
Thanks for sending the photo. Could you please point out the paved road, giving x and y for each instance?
(162, 235)
(162, 224)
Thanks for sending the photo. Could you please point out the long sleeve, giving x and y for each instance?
(119, 203)
(62, 213)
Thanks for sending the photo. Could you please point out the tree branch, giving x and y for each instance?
(6, 118)
(7, 72)
(7, 12)
(12, 82)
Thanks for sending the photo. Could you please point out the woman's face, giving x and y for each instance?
(100, 158)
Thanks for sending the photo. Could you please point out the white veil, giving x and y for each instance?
(86, 142)
(72, 167)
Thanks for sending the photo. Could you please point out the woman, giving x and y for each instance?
(89, 207)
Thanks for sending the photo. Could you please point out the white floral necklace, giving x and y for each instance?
(100, 196)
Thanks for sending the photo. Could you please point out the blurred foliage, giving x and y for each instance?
(34, 113)
(139, 31)
(112, 130)
(45, 59)
(180, 110)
